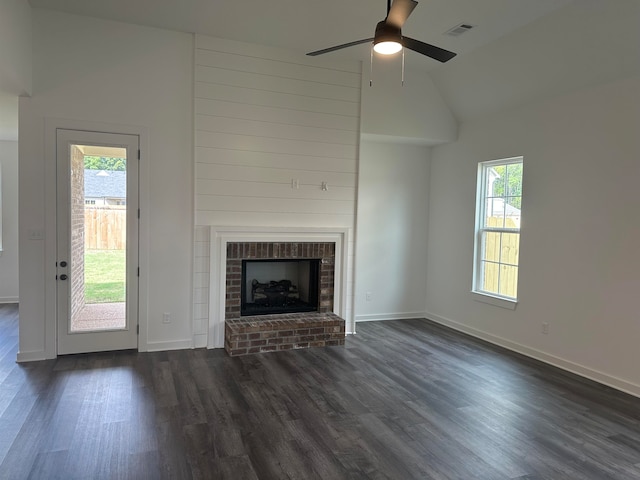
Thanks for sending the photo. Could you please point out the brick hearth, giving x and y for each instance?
(270, 333)
(265, 333)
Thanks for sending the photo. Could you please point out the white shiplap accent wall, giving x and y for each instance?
(201, 285)
(265, 118)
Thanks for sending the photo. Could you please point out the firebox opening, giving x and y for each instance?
(279, 286)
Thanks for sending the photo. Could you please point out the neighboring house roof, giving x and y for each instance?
(498, 208)
(498, 205)
(102, 183)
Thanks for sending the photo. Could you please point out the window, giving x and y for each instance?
(497, 241)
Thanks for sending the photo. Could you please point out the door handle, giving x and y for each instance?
(63, 263)
(63, 277)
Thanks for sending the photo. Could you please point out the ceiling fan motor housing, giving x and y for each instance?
(387, 33)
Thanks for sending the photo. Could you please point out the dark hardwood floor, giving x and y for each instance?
(403, 399)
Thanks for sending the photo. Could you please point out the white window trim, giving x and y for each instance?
(481, 295)
(502, 302)
(1, 221)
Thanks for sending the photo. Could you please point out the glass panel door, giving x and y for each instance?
(97, 241)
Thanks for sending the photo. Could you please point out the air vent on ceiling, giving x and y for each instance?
(459, 29)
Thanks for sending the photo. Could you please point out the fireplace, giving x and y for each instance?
(318, 259)
(276, 286)
(280, 296)
(257, 333)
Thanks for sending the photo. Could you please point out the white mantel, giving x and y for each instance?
(221, 236)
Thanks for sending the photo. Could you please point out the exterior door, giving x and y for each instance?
(97, 241)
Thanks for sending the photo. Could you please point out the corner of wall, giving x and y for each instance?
(415, 112)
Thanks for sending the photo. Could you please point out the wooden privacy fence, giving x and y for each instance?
(105, 228)
(503, 248)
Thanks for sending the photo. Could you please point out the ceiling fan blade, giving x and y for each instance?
(400, 11)
(432, 51)
(340, 47)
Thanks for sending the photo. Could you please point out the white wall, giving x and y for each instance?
(580, 234)
(15, 63)
(15, 47)
(119, 77)
(391, 261)
(8, 117)
(9, 216)
(398, 123)
(414, 112)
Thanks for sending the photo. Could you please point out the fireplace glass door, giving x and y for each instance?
(279, 286)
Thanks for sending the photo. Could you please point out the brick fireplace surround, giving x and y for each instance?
(266, 333)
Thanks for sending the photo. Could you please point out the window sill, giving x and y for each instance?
(495, 301)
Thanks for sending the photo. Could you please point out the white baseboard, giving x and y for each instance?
(200, 341)
(31, 356)
(389, 316)
(150, 347)
(9, 299)
(174, 345)
(596, 376)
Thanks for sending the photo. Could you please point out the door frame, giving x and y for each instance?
(50, 251)
(101, 339)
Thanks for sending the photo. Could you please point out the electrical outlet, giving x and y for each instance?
(545, 328)
(166, 317)
(367, 296)
(295, 183)
(36, 234)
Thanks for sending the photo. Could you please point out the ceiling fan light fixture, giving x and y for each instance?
(388, 39)
(387, 47)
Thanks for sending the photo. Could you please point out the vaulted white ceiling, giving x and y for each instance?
(518, 52)
(306, 26)
(588, 42)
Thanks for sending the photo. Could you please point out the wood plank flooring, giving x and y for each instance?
(402, 400)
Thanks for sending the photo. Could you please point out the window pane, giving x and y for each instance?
(513, 194)
(512, 214)
(510, 248)
(491, 248)
(498, 174)
(514, 180)
(489, 181)
(490, 277)
(508, 281)
(494, 212)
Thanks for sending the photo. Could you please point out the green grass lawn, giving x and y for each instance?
(104, 276)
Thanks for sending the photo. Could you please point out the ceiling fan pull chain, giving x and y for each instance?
(371, 69)
(403, 66)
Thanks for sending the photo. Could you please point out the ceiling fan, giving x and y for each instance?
(388, 38)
